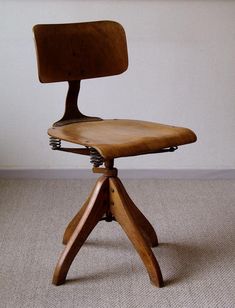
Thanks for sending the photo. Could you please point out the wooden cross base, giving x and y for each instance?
(110, 199)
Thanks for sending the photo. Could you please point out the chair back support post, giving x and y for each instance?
(71, 106)
(77, 51)
(72, 114)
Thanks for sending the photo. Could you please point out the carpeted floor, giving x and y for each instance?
(194, 220)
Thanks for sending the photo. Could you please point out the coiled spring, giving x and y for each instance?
(54, 143)
(95, 158)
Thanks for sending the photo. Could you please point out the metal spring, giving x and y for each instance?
(54, 143)
(95, 158)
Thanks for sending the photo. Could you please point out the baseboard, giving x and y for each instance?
(123, 173)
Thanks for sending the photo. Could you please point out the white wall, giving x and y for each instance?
(182, 72)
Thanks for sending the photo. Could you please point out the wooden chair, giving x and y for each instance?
(76, 51)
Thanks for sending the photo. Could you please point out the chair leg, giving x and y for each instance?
(144, 225)
(121, 210)
(95, 209)
(74, 222)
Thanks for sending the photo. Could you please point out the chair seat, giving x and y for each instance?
(121, 138)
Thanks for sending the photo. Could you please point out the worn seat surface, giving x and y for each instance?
(120, 138)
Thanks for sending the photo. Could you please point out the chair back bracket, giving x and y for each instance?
(72, 113)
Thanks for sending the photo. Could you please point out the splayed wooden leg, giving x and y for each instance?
(121, 210)
(74, 222)
(95, 209)
(144, 225)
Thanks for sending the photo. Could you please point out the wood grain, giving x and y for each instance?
(72, 114)
(93, 212)
(79, 51)
(76, 51)
(121, 138)
(121, 211)
(74, 222)
(141, 221)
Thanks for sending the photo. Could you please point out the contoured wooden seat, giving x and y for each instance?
(77, 51)
(121, 138)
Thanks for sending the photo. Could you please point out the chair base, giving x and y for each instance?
(110, 199)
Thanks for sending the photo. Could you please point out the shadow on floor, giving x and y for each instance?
(180, 262)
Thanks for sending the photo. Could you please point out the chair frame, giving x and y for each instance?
(110, 201)
(73, 52)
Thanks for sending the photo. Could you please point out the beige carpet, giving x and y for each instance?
(195, 222)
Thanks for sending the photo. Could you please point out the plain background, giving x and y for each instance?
(181, 72)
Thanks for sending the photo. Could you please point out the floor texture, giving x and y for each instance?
(194, 220)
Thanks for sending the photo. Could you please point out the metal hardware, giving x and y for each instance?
(95, 158)
(171, 149)
(108, 218)
(82, 151)
(54, 143)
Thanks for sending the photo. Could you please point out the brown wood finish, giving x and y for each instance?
(144, 225)
(142, 222)
(122, 138)
(76, 51)
(93, 212)
(72, 114)
(109, 198)
(72, 52)
(75, 221)
(121, 210)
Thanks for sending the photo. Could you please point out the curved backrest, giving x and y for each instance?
(76, 51)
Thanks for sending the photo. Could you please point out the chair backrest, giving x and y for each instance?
(76, 51)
